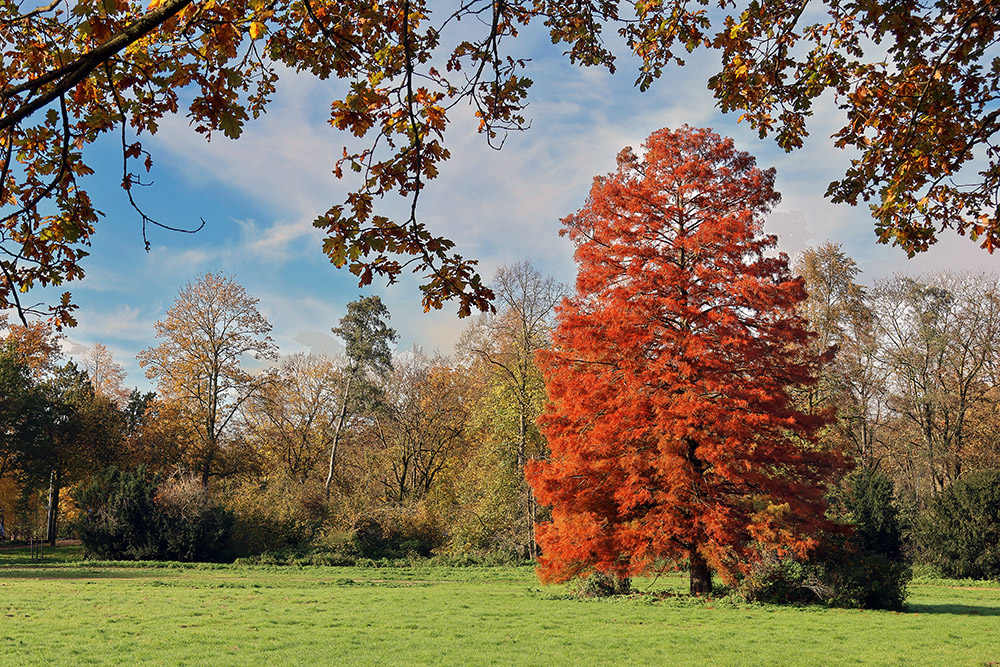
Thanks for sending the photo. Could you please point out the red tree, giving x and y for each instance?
(672, 429)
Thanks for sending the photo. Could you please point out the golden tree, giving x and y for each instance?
(213, 326)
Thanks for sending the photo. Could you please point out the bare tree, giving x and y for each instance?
(939, 336)
(106, 375)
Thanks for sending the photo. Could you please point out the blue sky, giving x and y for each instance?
(260, 194)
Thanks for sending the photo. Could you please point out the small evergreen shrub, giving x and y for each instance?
(868, 569)
(959, 533)
(118, 515)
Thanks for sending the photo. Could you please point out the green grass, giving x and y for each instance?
(66, 611)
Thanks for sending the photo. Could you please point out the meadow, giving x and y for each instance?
(65, 610)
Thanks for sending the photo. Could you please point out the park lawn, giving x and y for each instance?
(66, 611)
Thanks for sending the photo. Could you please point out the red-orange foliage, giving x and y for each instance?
(672, 430)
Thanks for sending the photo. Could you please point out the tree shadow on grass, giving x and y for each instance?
(74, 573)
(954, 609)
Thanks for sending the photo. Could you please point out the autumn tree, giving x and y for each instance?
(37, 344)
(503, 346)
(208, 333)
(673, 432)
(367, 340)
(939, 338)
(839, 311)
(295, 418)
(155, 435)
(20, 410)
(420, 429)
(106, 374)
(916, 84)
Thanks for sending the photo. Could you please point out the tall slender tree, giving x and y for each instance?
(672, 428)
(505, 343)
(368, 340)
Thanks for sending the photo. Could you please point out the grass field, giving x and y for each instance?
(67, 611)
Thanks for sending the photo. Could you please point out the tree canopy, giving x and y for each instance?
(673, 429)
(205, 336)
(917, 84)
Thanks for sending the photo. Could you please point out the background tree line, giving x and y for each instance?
(380, 454)
(914, 380)
(372, 451)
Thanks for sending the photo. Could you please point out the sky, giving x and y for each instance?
(258, 196)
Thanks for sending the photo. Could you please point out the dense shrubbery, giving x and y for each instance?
(864, 567)
(117, 515)
(394, 536)
(959, 533)
(132, 515)
(278, 514)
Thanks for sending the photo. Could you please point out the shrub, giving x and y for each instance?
(779, 580)
(392, 538)
(275, 514)
(868, 569)
(847, 575)
(132, 515)
(863, 566)
(118, 515)
(959, 533)
(192, 528)
(602, 585)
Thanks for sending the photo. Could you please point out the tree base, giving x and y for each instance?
(701, 575)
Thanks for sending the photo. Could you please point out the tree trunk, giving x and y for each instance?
(701, 575)
(336, 437)
(532, 517)
(50, 532)
(206, 470)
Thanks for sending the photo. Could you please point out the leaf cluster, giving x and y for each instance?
(918, 86)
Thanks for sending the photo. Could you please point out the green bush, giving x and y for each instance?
(778, 580)
(844, 574)
(392, 539)
(863, 566)
(192, 527)
(118, 515)
(602, 585)
(959, 533)
(868, 569)
(133, 515)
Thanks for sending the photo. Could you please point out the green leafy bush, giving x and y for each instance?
(867, 569)
(777, 579)
(602, 585)
(959, 533)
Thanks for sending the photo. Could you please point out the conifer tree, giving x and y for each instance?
(672, 429)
